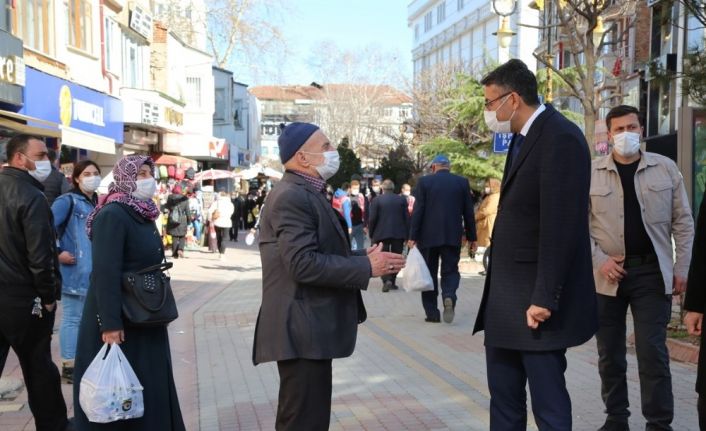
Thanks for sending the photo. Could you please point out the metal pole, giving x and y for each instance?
(549, 56)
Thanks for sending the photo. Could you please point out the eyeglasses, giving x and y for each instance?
(490, 102)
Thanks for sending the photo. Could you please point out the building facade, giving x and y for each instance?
(459, 33)
(373, 118)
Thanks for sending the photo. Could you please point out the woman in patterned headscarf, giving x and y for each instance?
(125, 239)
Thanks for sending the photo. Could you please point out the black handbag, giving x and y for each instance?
(148, 300)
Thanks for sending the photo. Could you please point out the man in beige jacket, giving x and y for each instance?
(638, 205)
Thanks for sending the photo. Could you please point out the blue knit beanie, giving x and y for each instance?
(293, 136)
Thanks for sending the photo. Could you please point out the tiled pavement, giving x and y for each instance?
(404, 375)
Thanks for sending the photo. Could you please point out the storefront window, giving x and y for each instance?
(699, 139)
(80, 28)
(219, 114)
(33, 22)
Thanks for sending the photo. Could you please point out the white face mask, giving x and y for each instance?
(146, 188)
(627, 144)
(406, 193)
(330, 165)
(90, 184)
(355, 191)
(497, 126)
(487, 190)
(376, 189)
(42, 169)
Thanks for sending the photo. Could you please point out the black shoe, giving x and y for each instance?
(482, 273)
(432, 320)
(448, 310)
(67, 375)
(387, 286)
(394, 287)
(614, 426)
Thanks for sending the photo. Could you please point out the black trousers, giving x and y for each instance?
(178, 243)
(393, 246)
(643, 291)
(509, 371)
(221, 233)
(450, 277)
(30, 339)
(304, 395)
(233, 232)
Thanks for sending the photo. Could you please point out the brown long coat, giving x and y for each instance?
(486, 213)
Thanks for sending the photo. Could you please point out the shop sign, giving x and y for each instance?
(141, 22)
(218, 149)
(12, 69)
(71, 105)
(173, 117)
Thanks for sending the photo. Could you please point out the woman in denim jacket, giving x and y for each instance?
(70, 213)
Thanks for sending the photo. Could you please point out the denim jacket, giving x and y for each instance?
(74, 240)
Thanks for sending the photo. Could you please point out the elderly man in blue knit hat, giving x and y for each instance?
(442, 216)
(311, 280)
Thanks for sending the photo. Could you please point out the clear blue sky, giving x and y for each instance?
(350, 24)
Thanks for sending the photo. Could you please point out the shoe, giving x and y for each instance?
(181, 254)
(614, 426)
(387, 286)
(221, 257)
(448, 310)
(432, 320)
(482, 273)
(394, 287)
(67, 374)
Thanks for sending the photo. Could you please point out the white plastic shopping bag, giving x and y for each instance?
(109, 388)
(416, 276)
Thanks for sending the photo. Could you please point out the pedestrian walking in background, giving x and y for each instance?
(342, 204)
(374, 190)
(638, 205)
(487, 211)
(238, 205)
(219, 213)
(389, 225)
(125, 239)
(178, 220)
(196, 216)
(695, 305)
(407, 193)
(359, 215)
(55, 184)
(311, 281)
(443, 215)
(70, 212)
(539, 297)
(30, 281)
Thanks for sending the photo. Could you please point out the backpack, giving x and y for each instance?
(175, 216)
(338, 202)
(190, 174)
(357, 209)
(179, 175)
(171, 171)
(163, 172)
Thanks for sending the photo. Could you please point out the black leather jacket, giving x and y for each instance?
(29, 266)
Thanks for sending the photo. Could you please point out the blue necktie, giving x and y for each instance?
(516, 147)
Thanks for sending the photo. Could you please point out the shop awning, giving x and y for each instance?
(12, 120)
(170, 159)
(86, 141)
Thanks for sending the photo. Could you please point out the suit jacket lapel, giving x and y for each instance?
(530, 140)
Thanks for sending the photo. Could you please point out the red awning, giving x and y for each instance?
(170, 159)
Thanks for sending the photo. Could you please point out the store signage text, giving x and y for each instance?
(12, 70)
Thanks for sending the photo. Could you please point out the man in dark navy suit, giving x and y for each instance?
(442, 215)
(539, 296)
(389, 224)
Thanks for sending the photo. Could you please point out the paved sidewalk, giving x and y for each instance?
(404, 375)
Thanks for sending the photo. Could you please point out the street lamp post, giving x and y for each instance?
(504, 8)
